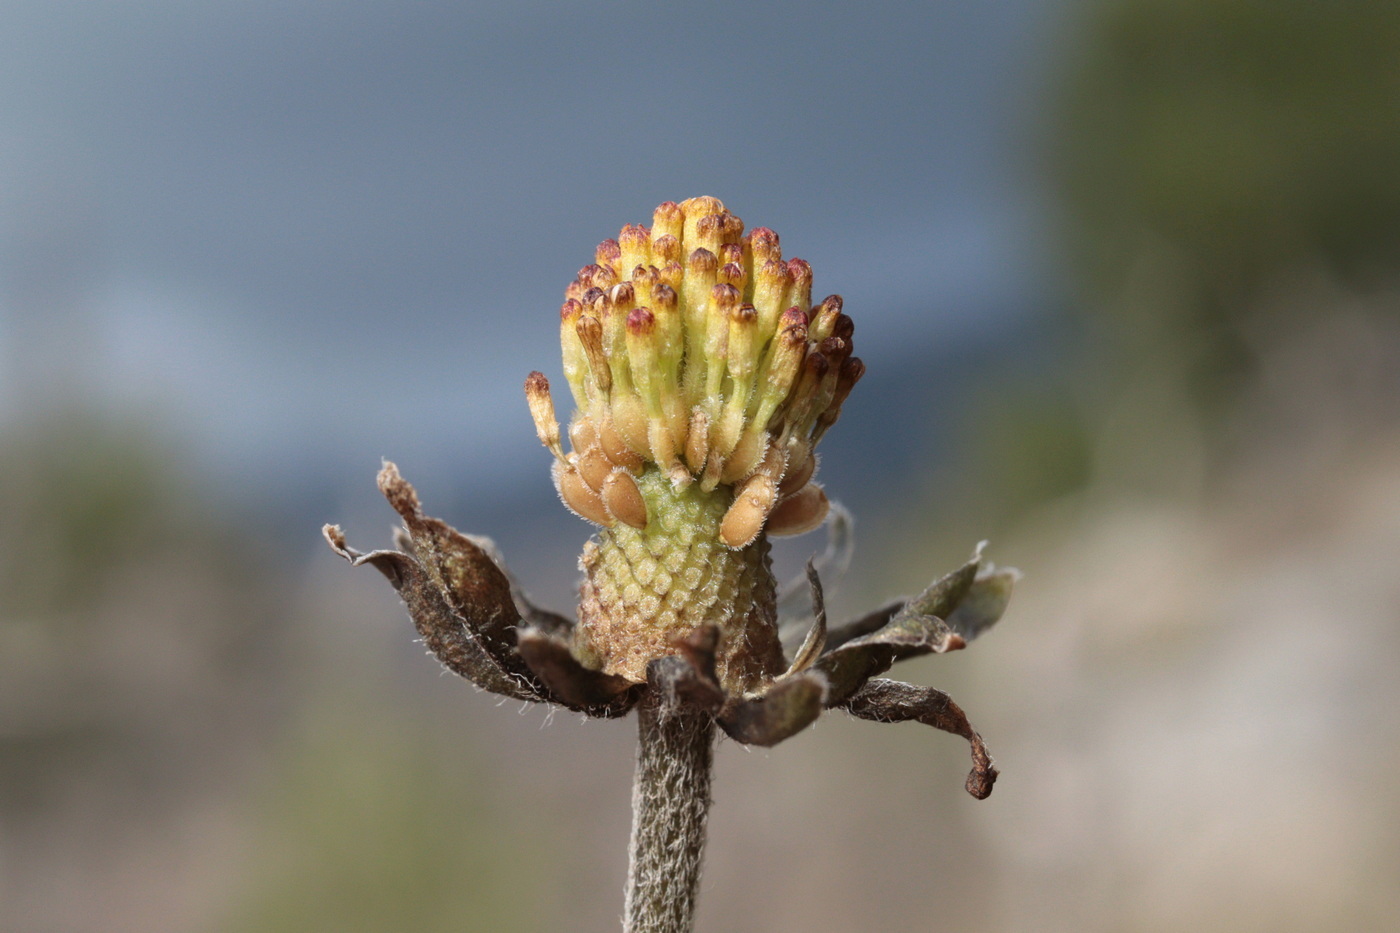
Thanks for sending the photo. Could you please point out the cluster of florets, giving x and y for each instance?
(694, 349)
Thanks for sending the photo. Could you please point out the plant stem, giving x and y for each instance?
(670, 803)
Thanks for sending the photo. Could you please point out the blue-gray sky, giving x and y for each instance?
(310, 234)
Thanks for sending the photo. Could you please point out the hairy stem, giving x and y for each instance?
(670, 803)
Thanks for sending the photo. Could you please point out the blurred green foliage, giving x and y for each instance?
(140, 661)
(84, 496)
(123, 598)
(145, 668)
(373, 823)
(1212, 161)
(1222, 145)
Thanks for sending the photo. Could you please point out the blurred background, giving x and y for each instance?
(1126, 278)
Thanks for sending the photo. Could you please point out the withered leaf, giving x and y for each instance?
(784, 709)
(891, 701)
(938, 600)
(848, 667)
(985, 601)
(815, 641)
(679, 681)
(571, 683)
(932, 622)
(529, 612)
(442, 630)
(944, 594)
(472, 584)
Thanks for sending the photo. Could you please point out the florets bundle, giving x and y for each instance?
(694, 349)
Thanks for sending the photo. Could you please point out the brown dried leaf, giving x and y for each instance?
(787, 707)
(944, 594)
(947, 615)
(940, 599)
(690, 675)
(985, 601)
(870, 622)
(568, 682)
(472, 584)
(545, 618)
(679, 682)
(891, 701)
(815, 641)
(442, 630)
(848, 667)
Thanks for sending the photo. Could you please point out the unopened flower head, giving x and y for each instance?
(703, 376)
(692, 349)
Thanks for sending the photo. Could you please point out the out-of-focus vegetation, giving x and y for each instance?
(186, 739)
(1196, 673)
(377, 822)
(1225, 200)
(140, 657)
(1215, 151)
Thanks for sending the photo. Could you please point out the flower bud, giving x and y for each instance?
(763, 246)
(665, 249)
(724, 299)
(703, 378)
(851, 371)
(824, 320)
(769, 291)
(643, 347)
(575, 360)
(608, 254)
(731, 273)
(667, 220)
(800, 292)
(542, 412)
(741, 358)
(693, 351)
(673, 274)
(699, 281)
(591, 338)
(800, 513)
(635, 244)
(623, 499)
(589, 272)
(697, 210)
